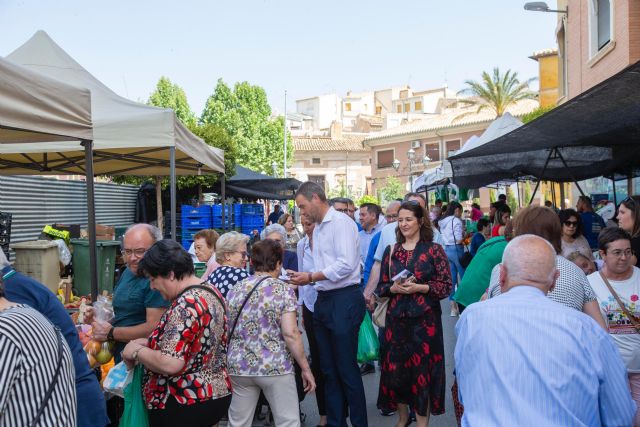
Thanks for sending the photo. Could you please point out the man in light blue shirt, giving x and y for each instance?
(525, 360)
(339, 308)
(369, 213)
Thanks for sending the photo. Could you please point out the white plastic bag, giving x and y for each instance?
(103, 309)
(117, 379)
(63, 252)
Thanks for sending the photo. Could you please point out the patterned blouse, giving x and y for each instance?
(257, 347)
(193, 329)
(225, 277)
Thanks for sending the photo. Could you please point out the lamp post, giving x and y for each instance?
(411, 155)
(274, 165)
(540, 6)
(425, 162)
(396, 164)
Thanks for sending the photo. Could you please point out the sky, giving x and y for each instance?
(306, 48)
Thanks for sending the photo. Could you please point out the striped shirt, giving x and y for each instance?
(28, 362)
(572, 287)
(523, 359)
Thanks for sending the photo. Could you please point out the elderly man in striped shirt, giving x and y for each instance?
(523, 359)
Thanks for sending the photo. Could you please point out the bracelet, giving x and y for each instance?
(135, 353)
(310, 277)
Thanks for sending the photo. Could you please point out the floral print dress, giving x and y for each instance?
(193, 329)
(257, 347)
(412, 351)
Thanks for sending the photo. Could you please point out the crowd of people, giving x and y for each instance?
(548, 334)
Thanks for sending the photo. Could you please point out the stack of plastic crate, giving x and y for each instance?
(217, 218)
(194, 219)
(5, 232)
(252, 217)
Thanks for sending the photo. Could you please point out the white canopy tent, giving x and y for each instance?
(36, 109)
(435, 176)
(129, 138)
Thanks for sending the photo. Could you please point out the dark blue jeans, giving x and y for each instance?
(336, 320)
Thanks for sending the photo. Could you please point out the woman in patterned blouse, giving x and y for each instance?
(186, 380)
(412, 351)
(264, 341)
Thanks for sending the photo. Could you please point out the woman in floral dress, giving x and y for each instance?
(263, 341)
(413, 369)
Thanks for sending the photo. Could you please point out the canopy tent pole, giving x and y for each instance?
(563, 205)
(615, 197)
(223, 202)
(91, 224)
(554, 199)
(172, 186)
(518, 191)
(544, 169)
(570, 174)
(629, 184)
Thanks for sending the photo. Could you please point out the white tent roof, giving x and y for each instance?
(36, 108)
(500, 126)
(129, 137)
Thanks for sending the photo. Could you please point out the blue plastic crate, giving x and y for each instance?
(218, 223)
(189, 211)
(201, 222)
(252, 220)
(217, 210)
(186, 244)
(252, 209)
(237, 209)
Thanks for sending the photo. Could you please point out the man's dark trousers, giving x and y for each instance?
(337, 317)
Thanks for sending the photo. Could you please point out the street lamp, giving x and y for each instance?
(426, 160)
(396, 164)
(274, 165)
(411, 155)
(540, 6)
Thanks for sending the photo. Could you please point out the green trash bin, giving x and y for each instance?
(106, 254)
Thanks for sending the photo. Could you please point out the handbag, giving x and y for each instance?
(466, 257)
(633, 319)
(379, 315)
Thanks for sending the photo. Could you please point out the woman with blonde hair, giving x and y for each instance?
(231, 254)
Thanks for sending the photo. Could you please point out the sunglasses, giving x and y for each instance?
(629, 201)
(571, 223)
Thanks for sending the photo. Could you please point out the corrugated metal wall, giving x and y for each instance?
(36, 201)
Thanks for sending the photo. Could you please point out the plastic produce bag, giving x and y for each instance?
(135, 410)
(103, 309)
(368, 345)
(118, 378)
(63, 252)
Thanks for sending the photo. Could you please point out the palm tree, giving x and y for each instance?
(496, 92)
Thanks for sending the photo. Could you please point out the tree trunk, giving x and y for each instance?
(159, 203)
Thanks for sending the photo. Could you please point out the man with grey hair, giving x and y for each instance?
(136, 306)
(523, 358)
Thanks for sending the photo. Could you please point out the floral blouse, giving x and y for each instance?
(193, 329)
(429, 264)
(257, 347)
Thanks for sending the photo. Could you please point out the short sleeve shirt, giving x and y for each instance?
(193, 329)
(257, 347)
(572, 287)
(225, 277)
(619, 326)
(131, 297)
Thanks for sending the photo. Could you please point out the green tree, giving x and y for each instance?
(392, 189)
(536, 113)
(170, 95)
(246, 116)
(496, 91)
(367, 199)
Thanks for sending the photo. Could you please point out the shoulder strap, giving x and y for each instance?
(235, 322)
(204, 288)
(54, 381)
(634, 321)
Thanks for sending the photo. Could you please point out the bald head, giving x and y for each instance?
(529, 260)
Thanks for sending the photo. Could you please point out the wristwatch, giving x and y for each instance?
(110, 334)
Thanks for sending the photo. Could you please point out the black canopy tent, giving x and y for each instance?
(253, 185)
(594, 134)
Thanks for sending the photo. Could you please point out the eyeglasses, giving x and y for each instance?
(571, 223)
(351, 210)
(391, 216)
(243, 253)
(619, 253)
(345, 210)
(137, 252)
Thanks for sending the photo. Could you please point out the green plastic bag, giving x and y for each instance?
(368, 345)
(135, 410)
